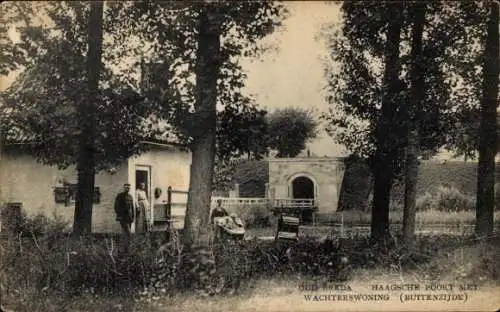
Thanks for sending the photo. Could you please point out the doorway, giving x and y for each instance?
(303, 188)
(143, 175)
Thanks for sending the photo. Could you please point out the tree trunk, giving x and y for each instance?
(488, 129)
(382, 162)
(412, 149)
(85, 162)
(196, 228)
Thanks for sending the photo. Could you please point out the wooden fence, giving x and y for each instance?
(172, 212)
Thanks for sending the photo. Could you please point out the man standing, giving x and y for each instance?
(124, 208)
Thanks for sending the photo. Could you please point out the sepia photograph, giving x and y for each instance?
(249, 155)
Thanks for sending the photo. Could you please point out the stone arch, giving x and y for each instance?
(304, 180)
(303, 186)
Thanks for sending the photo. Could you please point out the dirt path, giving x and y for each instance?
(483, 300)
(285, 296)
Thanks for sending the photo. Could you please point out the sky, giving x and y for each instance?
(292, 75)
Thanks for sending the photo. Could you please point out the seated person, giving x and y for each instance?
(218, 211)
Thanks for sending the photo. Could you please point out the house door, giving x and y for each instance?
(143, 175)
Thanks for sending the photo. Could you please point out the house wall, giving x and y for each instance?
(326, 173)
(168, 168)
(24, 180)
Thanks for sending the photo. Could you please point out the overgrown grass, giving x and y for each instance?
(39, 271)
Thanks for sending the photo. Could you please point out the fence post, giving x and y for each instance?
(236, 190)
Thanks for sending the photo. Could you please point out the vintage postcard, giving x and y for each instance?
(249, 156)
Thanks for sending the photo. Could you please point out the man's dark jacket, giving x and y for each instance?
(124, 207)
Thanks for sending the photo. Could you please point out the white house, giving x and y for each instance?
(42, 189)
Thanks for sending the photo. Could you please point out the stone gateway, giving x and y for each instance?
(307, 178)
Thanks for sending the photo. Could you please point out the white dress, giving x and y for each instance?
(142, 206)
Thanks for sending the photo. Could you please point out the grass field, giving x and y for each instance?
(422, 217)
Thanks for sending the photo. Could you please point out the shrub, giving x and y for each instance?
(446, 198)
(42, 225)
(426, 202)
(22, 224)
(50, 260)
(451, 199)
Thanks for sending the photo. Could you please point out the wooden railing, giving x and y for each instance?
(232, 201)
(305, 203)
(172, 212)
(295, 207)
(271, 202)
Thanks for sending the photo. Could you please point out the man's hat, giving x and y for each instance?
(126, 184)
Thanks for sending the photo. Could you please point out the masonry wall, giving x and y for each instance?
(326, 173)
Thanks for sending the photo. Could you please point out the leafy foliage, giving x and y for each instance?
(356, 185)
(241, 133)
(466, 62)
(41, 106)
(240, 26)
(53, 267)
(355, 90)
(290, 129)
(375, 102)
(223, 176)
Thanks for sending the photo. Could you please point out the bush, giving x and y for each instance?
(43, 258)
(22, 224)
(446, 198)
(241, 263)
(332, 259)
(426, 202)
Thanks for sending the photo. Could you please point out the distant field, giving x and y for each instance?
(460, 174)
